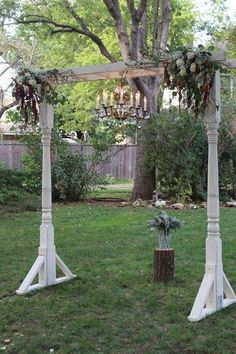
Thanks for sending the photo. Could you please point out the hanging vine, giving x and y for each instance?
(190, 75)
(30, 88)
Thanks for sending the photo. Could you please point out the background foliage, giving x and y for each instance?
(74, 173)
(176, 145)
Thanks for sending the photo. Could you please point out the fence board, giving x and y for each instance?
(121, 163)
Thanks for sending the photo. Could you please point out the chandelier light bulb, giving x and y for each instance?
(98, 102)
(137, 99)
(111, 99)
(145, 104)
(131, 99)
(105, 98)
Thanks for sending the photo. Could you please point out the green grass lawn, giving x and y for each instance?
(113, 306)
(120, 188)
(110, 193)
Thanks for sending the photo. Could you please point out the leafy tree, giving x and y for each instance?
(73, 33)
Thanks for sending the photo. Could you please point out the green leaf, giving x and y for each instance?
(211, 48)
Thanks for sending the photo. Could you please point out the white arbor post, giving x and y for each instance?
(215, 291)
(45, 265)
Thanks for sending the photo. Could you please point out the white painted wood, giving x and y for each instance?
(230, 63)
(30, 276)
(210, 297)
(120, 70)
(63, 267)
(108, 71)
(219, 56)
(45, 264)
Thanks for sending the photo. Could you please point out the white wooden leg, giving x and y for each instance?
(45, 264)
(26, 285)
(215, 291)
(230, 296)
(63, 267)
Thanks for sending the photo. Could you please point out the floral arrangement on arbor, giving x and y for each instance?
(190, 74)
(31, 88)
(164, 223)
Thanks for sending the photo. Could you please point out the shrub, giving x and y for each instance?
(72, 179)
(10, 178)
(74, 174)
(176, 144)
(13, 196)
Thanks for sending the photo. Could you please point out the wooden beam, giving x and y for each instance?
(108, 71)
(124, 70)
(230, 63)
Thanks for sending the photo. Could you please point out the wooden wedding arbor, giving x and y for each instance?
(215, 291)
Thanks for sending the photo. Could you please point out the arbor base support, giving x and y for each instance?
(164, 265)
(207, 300)
(46, 276)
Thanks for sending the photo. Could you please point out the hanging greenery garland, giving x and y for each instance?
(190, 75)
(31, 88)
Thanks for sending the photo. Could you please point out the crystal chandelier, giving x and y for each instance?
(121, 105)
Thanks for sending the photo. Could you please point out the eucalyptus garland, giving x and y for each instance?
(190, 75)
(31, 88)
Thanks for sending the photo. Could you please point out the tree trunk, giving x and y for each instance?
(164, 265)
(144, 180)
(145, 177)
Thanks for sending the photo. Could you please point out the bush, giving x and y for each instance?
(72, 179)
(227, 151)
(18, 200)
(13, 196)
(74, 174)
(177, 146)
(10, 178)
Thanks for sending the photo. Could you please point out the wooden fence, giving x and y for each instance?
(121, 163)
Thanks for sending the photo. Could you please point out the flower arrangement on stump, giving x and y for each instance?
(31, 88)
(190, 74)
(164, 255)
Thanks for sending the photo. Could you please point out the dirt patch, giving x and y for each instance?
(119, 202)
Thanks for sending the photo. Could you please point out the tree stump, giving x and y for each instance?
(164, 264)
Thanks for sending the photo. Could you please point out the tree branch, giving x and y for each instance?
(136, 17)
(34, 19)
(141, 9)
(114, 9)
(88, 33)
(66, 28)
(142, 47)
(156, 25)
(9, 66)
(74, 14)
(134, 30)
(166, 12)
(5, 108)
